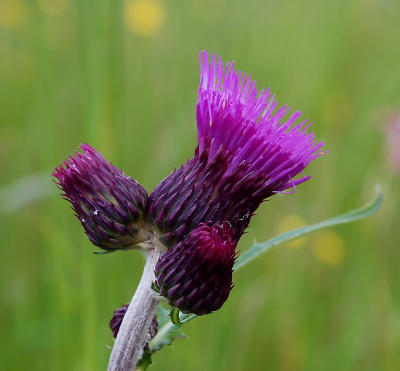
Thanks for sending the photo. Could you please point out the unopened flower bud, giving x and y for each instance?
(109, 204)
(195, 275)
(116, 321)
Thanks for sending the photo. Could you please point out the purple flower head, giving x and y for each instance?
(195, 275)
(109, 204)
(247, 151)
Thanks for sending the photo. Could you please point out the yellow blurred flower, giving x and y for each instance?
(144, 17)
(53, 7)
(329, 248)
(289, 222)
(13, 13)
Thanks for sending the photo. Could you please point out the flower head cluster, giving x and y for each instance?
(248, 150)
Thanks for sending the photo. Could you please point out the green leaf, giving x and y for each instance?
(351, 216)
(167, 331)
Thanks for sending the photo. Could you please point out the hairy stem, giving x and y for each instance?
(128, 346)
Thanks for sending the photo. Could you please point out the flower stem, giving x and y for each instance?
(128, 346)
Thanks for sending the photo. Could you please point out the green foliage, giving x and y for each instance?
(168, 331)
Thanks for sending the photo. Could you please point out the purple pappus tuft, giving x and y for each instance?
(109, 204)
(195, 275)
(247, 151)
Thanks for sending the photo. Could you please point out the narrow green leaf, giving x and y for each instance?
(351, 216)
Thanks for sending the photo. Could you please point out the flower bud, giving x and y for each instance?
(116, 321)
(109, 204)
(195, 275)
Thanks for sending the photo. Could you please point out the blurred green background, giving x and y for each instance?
(123, 76)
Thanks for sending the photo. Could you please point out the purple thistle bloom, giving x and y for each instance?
(195, 275)
(246, 153)
(109, 204)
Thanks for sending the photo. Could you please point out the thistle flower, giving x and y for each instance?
(195, 275)
(109, 204)
(245, 154)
